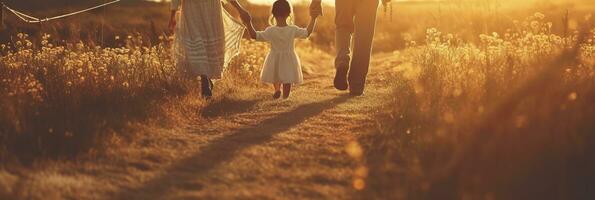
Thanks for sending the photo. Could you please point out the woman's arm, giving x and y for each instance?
(246, 18)
(175, 4)
(250, 28)
(243, 12)
(172, 21)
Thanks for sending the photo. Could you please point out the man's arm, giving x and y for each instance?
(316, 6)
(315, 11)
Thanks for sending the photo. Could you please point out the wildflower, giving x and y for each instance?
(354, 150)
(359, 184)
(539, 15)
(361, 171)
(572, 96)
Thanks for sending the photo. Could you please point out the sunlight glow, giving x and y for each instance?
(328, 2)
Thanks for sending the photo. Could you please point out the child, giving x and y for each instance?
(282, 65)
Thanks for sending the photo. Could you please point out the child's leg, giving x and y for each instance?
(277, 86)
(277, 90)
(286, 90)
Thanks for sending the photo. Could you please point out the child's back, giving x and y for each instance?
(282, 65)
(282, 38)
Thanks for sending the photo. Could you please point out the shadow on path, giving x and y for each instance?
(184, 174)
(227, 106)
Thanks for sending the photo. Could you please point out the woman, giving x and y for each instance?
(206, 38)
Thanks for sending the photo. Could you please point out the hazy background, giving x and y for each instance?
(408, 20)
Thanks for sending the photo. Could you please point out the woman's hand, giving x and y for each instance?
(172, 22)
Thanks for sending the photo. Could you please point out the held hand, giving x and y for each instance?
(316, 8)
(246, 18)
(315, 13)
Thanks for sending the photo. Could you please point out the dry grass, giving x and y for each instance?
(62, 100)
(490, 100)
(508, 117)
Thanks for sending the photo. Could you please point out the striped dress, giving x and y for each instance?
(206, 37)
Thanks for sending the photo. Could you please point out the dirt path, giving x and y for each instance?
(257, 149)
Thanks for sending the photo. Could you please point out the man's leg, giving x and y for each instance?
(365, 24)
(345, 10)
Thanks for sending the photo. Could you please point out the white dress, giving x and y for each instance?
(206, 37)
(282, 64)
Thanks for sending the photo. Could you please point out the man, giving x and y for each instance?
(356, 22)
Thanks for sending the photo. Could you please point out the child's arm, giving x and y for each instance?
(312, 24)
(314, 13)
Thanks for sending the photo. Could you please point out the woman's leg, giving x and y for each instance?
(286, 90)
(206, 85)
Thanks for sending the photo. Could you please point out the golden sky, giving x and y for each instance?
(270, 1)
(330, 2)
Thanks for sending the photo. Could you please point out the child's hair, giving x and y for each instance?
(281, 8)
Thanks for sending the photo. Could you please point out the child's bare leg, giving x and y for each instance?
(277, 90)
(286, 90)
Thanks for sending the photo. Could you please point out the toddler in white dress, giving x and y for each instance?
(282, 65)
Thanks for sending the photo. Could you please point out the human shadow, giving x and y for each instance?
(183, 175)
(227, 106)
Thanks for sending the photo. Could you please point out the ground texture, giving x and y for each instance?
(256, 148)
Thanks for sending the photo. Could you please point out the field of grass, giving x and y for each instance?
(508, 118)
(470, 99)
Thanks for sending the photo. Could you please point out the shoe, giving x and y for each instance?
(277, 95)
(356, 89)
(207, 87)
(340, 81)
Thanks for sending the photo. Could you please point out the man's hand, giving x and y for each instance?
(316, 8)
